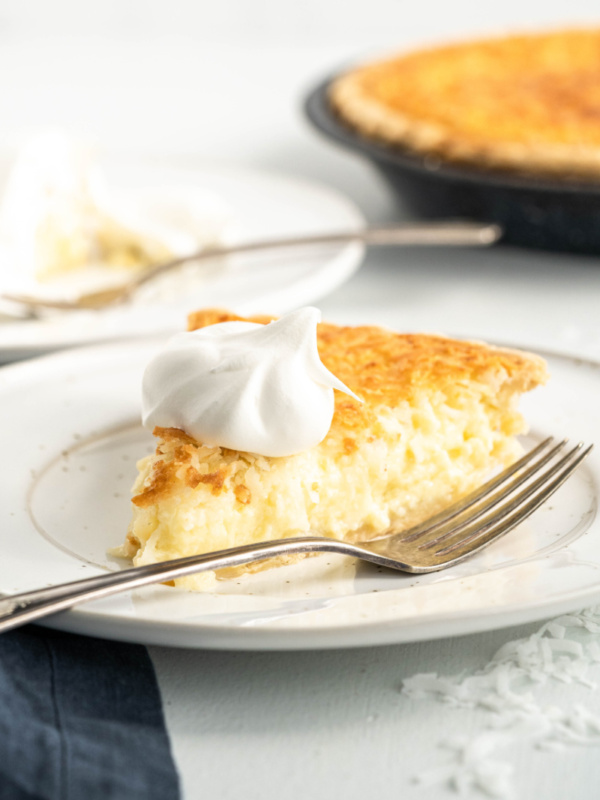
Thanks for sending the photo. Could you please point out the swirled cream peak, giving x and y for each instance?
(256, 388)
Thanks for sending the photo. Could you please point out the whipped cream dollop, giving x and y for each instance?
(256, 388)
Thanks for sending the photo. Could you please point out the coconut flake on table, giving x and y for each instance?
(64, 230)
(565, 650)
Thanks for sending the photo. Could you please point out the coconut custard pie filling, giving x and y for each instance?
(418, 421)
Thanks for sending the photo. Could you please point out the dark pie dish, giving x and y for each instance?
(547, 211)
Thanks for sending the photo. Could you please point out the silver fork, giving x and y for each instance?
(445, 539)
(433, 234)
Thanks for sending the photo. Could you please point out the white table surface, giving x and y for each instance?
(331, 724)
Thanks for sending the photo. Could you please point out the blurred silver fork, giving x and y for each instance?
(430, 233)
(445, 539)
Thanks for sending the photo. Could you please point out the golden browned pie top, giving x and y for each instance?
(527, 102)
(385, 368)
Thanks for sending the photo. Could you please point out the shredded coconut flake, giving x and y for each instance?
(561, 650)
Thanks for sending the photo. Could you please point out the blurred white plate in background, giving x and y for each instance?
(262, 205)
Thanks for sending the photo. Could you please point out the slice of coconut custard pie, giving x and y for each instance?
(271, 429)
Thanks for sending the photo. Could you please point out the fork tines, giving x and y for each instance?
(501, 503)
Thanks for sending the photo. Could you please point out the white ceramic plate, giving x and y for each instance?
(262, 205)
(70, 446)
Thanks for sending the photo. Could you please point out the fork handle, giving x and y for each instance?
(19, 609)
(433, 233)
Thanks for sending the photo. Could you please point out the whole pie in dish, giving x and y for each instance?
(527, 103)
(437, 415)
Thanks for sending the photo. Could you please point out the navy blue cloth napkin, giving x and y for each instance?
(80, 719)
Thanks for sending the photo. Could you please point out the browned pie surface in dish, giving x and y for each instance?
(528, 102)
